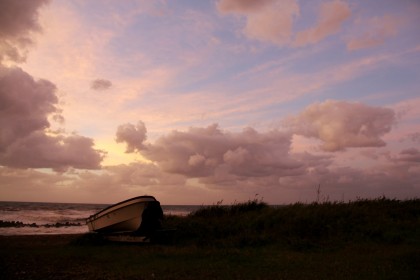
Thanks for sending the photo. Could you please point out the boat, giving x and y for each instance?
(139, 215)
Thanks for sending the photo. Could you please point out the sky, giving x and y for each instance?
(204, 102)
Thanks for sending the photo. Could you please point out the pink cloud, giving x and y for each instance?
(415, 137)
(198, 152)
(208, 164)
(242, 6)
(377, 31)
(410, 155)
(39, 150)
(100, 84)
(331, 16)
(132, 135)
(342, 125)
(266, 20)
(17, 22)
(25, 105)
(397, 179)
(408, 129)
(272, 21)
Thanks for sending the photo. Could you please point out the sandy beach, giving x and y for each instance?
(80, 257)
(37, 241)
(35, 257)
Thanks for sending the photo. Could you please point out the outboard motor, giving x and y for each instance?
(151, 219)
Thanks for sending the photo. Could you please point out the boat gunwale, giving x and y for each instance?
(102, 212)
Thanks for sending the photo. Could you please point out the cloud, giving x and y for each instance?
(410, 155)
(18, 20)
(25, 105)
(342, 125)
(132, 135)
(331, 16)
(397, 179)
(377, 30)
(272, 21)
(204, 152)
(208, 163)
(39, 150)
(242, 6)
(100, 84)
(267, 20)
(27, 184)
(111, 184)
(414, 136)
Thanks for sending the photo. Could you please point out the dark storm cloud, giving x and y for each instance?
(18, 19)
(100, 84)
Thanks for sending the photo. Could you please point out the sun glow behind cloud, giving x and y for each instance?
(115, 153)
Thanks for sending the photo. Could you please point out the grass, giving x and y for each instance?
(300, 225)
(364, 239)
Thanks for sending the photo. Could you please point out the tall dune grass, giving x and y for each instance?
(300, 226)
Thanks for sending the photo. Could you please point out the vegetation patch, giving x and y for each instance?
(364, 239)
(300, 226)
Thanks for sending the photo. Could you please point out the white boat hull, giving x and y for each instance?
(125, 216)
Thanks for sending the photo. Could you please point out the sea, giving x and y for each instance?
(33, 218)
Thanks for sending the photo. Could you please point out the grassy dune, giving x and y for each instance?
(301, 226)
(365, 239)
